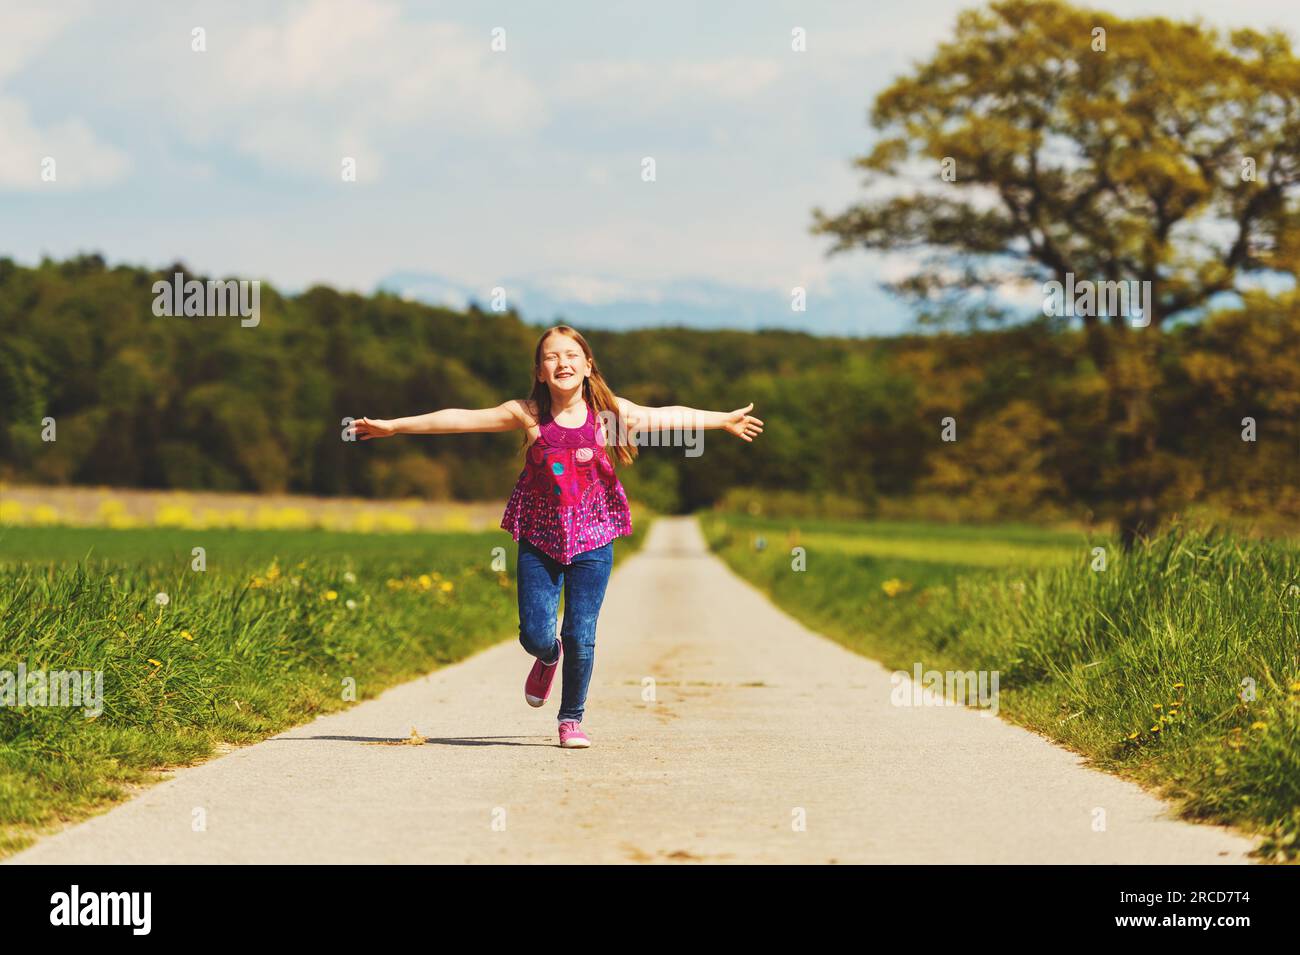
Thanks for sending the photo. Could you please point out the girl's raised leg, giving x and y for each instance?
(539, 580)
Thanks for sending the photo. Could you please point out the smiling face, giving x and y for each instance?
(564, 364)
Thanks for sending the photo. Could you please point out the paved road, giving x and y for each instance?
(757, 725)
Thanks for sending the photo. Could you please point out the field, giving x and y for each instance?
(123, 508)
(274, 628)
(1176, 665)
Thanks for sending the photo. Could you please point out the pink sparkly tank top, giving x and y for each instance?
(568, 498)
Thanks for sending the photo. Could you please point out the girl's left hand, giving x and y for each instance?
(368, 428)
(742, 424)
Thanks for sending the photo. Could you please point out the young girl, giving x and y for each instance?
(568, 505)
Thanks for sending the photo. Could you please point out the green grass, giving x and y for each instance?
(1092, 660)
(268, 648)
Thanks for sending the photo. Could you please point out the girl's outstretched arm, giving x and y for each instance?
(507, 416)
(738, 422)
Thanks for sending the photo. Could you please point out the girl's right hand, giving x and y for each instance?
(367, 428)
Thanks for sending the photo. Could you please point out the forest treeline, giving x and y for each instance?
(140, 400)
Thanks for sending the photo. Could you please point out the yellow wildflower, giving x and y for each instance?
(331, 595)
(1259, 725)
(155, 662)
(447, 586)
(186, 635)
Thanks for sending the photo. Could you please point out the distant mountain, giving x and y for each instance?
(846, 308)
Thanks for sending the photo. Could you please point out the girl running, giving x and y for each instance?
(568, 505)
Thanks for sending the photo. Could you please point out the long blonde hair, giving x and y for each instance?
(594, 390)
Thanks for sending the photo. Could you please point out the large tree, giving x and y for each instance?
(1046, 141)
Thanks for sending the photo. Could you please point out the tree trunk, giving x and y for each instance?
(1132, 374)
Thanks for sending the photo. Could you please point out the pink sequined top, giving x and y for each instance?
(568, 498)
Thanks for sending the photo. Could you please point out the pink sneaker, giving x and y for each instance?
(537, 688)
(572, 736)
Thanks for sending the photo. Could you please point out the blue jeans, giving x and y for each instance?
(540, 580)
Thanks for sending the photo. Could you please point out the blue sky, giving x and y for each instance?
(475, 168)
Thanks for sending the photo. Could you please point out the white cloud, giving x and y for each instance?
(329, 78)
(1020, 292)
(897, 266)
(652, 85)
(80, 159)
(295, 147)
(26, 31)
(312, 51)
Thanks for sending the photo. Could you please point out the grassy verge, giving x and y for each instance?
(271, 634)
(1177, 665)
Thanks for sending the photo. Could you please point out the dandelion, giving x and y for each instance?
(1157, 706)
(44, 514)
(186, 635)
(350, 577)
(1178, 686)
(156, 663)
(1259, 725)
(331, 595)
(425, 582)
(447, 586)
(351, 605)
(1295, 687)
(1155, 728)
(1133, 735)
(162, 599)
(894, 587)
